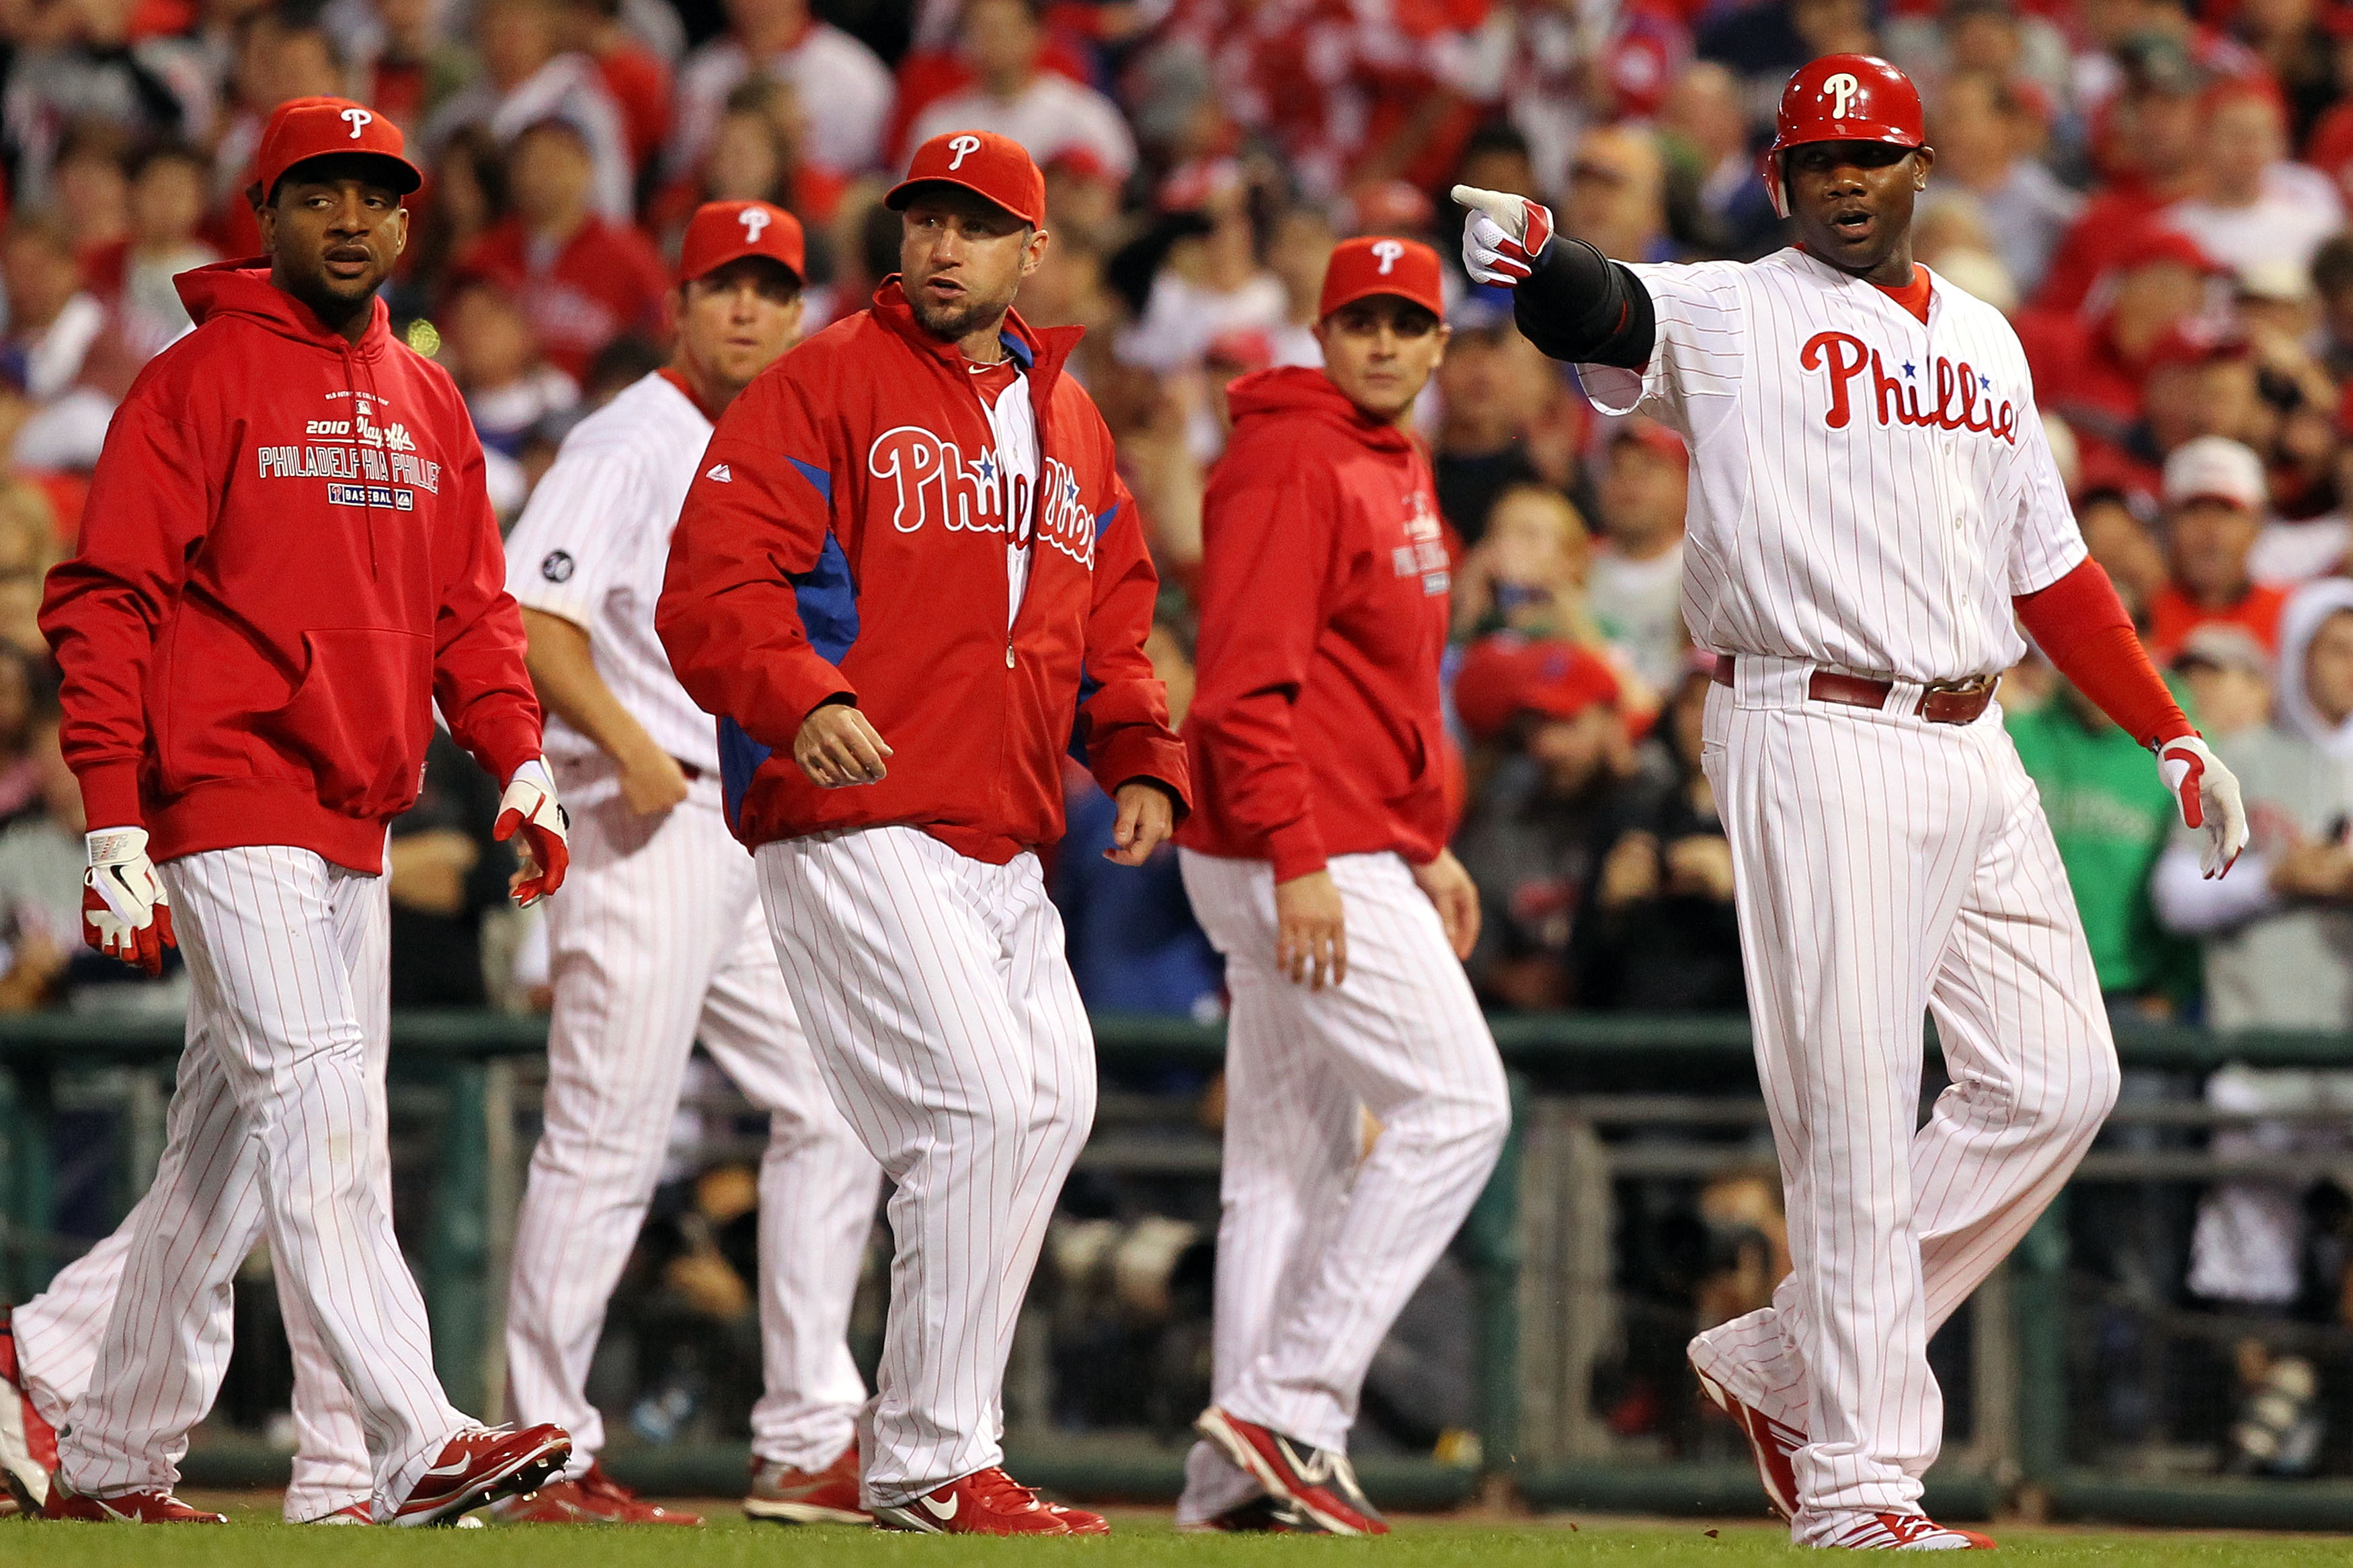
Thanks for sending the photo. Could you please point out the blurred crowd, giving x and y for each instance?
(2154, 191)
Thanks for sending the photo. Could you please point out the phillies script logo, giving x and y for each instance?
(1960, 398)
(976, 496)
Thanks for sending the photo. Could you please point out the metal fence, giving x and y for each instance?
(1608, 1108)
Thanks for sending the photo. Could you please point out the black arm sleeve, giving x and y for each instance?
(1582, 307)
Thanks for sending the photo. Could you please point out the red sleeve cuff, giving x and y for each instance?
(1297, 850)
(109, 794)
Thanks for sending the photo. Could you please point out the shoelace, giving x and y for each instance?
(1002, 1494)
(1905, 1528)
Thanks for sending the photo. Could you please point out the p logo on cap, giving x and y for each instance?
(722, 232)
(982, 162)
(1362, 268)
(305, 128)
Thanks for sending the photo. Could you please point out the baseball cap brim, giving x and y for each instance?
(729, 257)
(400, 176)
(897, 197)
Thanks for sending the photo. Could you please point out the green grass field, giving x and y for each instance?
(1142, 1537)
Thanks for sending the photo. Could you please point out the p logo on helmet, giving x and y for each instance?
(1842, 89)
(754, 220)
(358, 120)
(1389, 251)
(962, 147)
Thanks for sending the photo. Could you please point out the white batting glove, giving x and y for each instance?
(1505, 238)
(2208, 793)
(125, 912)
(530, 807)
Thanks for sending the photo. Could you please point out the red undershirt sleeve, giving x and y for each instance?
(2081, 627)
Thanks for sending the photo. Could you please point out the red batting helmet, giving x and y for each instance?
(1843, 98)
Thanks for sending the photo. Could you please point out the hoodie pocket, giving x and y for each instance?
(360, 717)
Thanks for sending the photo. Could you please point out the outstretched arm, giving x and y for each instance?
(1569, 299)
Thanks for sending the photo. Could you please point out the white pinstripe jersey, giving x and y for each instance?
(592, 546)
(1868, 493)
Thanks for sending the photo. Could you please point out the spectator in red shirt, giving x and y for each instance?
(2214, 510)
(2151, 151)
(754, 155)
(2093, 372)
(581, 279)
(637, 77)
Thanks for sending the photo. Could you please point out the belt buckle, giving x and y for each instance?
(1978, 688)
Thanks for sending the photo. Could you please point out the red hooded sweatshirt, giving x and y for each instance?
(1314, 729)
(847, 537)
(286, 558)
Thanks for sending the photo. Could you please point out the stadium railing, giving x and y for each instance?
(1538, 1245)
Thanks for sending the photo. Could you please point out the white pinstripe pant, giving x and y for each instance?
(1885, 867)
(57, 1334)
(276, 1127)
(1319, 1247)
(947, 1021)
(658, 938)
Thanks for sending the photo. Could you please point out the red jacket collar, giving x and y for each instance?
(1043, 349)
(244, 289)
(1303, 389)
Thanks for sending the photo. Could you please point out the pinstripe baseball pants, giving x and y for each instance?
(658, 938)
(275, 1129)
(58, 1331)
(1322, 1243)
(1886, 867)
(947, 1021)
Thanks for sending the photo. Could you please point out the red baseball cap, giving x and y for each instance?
(1378, 264)
(1508, 674)
(982, 162)
(722, 232)
(305, 128)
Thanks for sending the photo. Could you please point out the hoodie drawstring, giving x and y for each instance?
(367, 489)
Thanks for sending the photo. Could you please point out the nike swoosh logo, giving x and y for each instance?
(1316, 1472)
(943, 1512)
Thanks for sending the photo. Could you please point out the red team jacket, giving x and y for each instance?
(287, 558)
(1315, 728)
(847, 535)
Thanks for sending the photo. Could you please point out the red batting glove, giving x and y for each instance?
(125, 913)
(530, 807)
(1505, 238)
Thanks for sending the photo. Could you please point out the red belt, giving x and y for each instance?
(1942, 702)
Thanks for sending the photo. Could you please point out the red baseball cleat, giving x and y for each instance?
(987, 1502)
(783, 1495)
(124, 1508)
(483, 1466)
(28, 1445)
(350, 1513)
(1774, 1445)
(594, 1499)
(1902, 1533)
(1319, 1484)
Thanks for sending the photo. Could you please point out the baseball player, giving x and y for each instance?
(288, 559)
(1873, 500)
(1316, 860)
(658, 937)
(907, 569)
